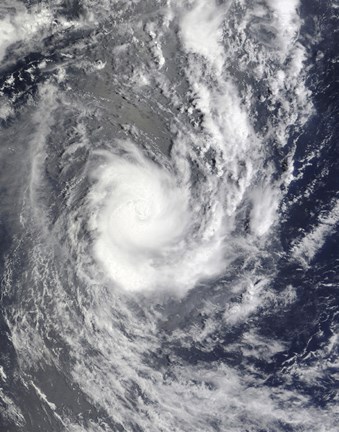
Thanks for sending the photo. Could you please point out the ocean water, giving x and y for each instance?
(169, 216)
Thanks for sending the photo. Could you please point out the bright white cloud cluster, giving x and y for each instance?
(147, 234)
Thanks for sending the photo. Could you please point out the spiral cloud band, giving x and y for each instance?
(169, 216)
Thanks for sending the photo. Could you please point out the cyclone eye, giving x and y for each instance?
(142, 209)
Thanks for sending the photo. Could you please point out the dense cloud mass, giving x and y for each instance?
(169, 216)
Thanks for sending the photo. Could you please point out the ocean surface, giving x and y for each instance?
(169, 216)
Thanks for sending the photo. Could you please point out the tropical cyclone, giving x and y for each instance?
(144, 225)
(149, 229)
(168, 216)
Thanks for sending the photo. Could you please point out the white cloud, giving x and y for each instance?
(304, 250)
